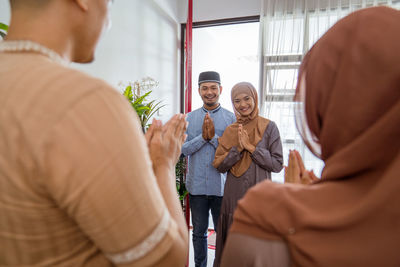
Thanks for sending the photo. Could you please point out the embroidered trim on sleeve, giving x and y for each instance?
(145, 246)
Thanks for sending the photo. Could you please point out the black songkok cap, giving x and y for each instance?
(209, 76)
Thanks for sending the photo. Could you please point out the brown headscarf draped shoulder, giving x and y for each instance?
(352, 106)
(253, 124)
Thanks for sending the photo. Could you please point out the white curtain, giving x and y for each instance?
(288, 29)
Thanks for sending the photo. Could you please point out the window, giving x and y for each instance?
(287, 34)
(231, 50)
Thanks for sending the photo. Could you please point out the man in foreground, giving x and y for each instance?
(79, 186)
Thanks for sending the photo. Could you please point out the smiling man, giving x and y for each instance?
(204, 183)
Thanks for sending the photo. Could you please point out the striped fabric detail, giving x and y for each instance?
(145, 246)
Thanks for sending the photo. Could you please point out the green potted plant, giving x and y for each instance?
(180, 173)
(3, 30)
(137, 93)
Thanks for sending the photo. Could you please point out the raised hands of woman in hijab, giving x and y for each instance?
(208, 128)
(240, 145)
(244, 141)
(295, 172)
(292, 171)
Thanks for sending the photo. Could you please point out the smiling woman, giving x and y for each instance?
(244, 104)
(249, 150)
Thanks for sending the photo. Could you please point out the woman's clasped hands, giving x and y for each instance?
(244, 141)
(295, 172)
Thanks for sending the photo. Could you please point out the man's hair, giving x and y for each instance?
(12, 3)
(29, 3)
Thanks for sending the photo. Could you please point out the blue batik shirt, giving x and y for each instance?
(202, 178)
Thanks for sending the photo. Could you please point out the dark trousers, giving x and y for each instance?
(200, 206)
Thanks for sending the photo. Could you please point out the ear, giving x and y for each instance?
(199, 90)
(83, 4)
(220, 89)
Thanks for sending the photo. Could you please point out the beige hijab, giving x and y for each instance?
(253, 124)
(352, 216)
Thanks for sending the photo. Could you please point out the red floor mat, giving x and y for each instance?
(211, 239)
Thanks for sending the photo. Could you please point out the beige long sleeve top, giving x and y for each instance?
(76, 181)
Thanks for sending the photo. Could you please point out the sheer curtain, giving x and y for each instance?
(288, 29)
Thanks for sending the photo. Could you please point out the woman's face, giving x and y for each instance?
(244, 104)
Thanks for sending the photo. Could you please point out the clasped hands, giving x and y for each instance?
(208, 128)
(165, 141)
(295, 172)
(244, 141)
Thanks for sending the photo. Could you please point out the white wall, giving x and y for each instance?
(143, 41)
(4, 11)
(204, 10)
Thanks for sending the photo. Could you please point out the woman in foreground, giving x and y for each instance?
(349, 84)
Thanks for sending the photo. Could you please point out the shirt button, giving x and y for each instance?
(291, 231)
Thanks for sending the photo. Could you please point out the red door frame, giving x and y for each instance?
(188, 87)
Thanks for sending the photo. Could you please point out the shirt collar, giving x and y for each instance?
(213, 110)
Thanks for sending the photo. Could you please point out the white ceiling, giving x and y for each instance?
(204, 10)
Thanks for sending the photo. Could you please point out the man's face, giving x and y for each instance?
(209, 93)
(97, 20)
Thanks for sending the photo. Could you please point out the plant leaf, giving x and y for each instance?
(3, 26)
(155, 109)
(142, 98)
(145, 110)
(128, 93)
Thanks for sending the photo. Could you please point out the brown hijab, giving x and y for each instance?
(351, 217)
(253, 124)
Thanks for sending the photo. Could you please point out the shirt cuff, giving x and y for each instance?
(214, 141)
(145, 246)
